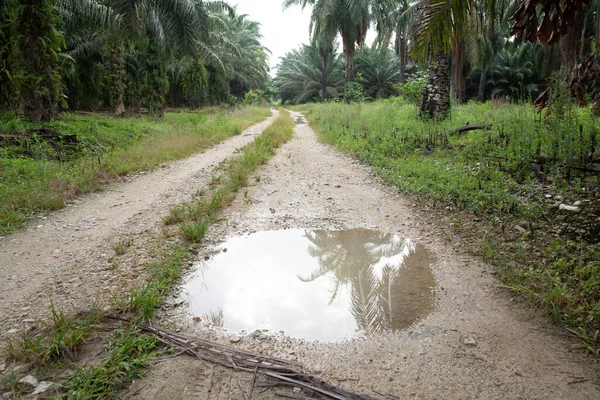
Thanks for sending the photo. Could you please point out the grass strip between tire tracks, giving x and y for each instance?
(127, 350)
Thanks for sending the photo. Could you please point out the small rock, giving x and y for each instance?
(7, 395)
(520, 229)
(567, 207)
(29, 380)
(42, 387)
(577, 203)
(29, 321)
(2, 367)
(297, 390)
(234, 339)
(197, 319)
(11, 332)
(469, 341)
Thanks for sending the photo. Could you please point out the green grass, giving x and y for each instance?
(127, 350)
(36, 177)
(488, 173)
(126, 353)
(57, 340)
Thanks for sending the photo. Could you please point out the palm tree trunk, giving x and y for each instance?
(401, 49)
(116, 77)
(349, 53)
(569, 46)
(459, 79)
(323, 76)
(481, 94)
(436, 101)
(41, 86)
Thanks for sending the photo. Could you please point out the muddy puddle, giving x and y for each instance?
(318, 285)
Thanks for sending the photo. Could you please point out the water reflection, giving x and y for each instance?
(322, 285)
(389, 278)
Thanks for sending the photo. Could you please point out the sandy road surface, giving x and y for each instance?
(477, 344)
(67, 255)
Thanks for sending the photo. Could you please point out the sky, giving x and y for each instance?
(282, 31)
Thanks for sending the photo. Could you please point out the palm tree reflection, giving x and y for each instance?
(389, 278)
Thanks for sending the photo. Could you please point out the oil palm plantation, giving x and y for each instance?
(395, 17)
(348, 18)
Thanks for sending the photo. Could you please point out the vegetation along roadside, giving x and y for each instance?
(41, 169)
(527, 185)
(57, 349)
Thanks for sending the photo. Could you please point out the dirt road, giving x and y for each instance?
(477, 344)
(68, 256)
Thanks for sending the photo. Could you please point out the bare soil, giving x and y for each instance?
(477, 344)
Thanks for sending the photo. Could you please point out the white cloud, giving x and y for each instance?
(282, 30)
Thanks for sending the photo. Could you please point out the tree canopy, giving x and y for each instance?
(126, 55)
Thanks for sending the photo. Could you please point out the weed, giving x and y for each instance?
(215, 180)
(176, 215)
(127, 351)
(10, 381)
(215, 318)
(194, 231)
(121, 246)
(58, 340)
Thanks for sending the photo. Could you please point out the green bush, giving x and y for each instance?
(413, 89)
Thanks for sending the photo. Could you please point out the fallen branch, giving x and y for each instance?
(283, 371)
(468, 128)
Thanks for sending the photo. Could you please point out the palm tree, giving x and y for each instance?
(155, 30)
(515, 72)
(326, 50)
(395, 17)
(31, 31)
(348, 18)
(249, 60)
(300, 75)
(379, 72)
(439, 28)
